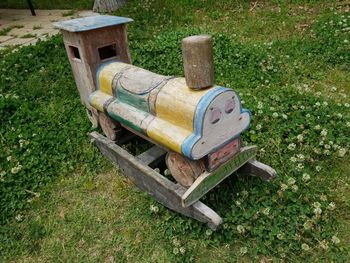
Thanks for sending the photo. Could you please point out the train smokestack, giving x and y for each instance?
(197, 55)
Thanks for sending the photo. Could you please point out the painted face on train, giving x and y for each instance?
(216, 123)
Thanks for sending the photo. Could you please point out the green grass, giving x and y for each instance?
(68, 13)
(29, 35)
(64, 201)
(6, 30)
(37, 27)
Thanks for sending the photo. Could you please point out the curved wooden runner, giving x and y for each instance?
(208, 181)
(148, 180)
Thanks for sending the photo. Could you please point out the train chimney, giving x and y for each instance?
(197, 54)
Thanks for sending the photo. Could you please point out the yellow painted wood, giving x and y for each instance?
(98, 98)
(167, 134)
(176, 103)
(106, 75)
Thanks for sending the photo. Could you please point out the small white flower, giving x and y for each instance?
(182, 250)
(341, 152)
(335, 240)
(300, 166)
(317, 104)
(325, 103)
(317, 127)
(19, 217)
(284, 116)
(295, 188)
(16, 169)
(336, 146)
(291, 181)
(291, 146)
(280, 236)
(154, 208)
(318, 168)
(9, 158)
(266, 211)
(317, 151)
(305, 247)
(327, 152)
(243, 250)
(324, 244)
(176, 242)
(2, 175)
(240, 229)
(301, 157)
(331, 206)
(323, 198)
(300, 138)
(260, 105)
(348, 124)
(260, 112)
(317, 211)
(275, 115)
(284, 187)
(175, 251)
(324, 132)
(316, 205)
(306, 177)
(258, 127)
(293, 159)
(308, 225)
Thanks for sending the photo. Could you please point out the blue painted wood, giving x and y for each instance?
(201, 108)
(91, 22)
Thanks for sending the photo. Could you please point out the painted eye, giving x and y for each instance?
(215, 115)
(230, 106)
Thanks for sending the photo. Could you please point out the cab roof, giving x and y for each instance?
(91, 23)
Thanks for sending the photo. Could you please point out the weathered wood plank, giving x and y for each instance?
(198, 59)
(148, 180)
(258, 169)
(208, 181)
(151, 155)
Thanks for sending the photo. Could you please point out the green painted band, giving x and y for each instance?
(210, 180)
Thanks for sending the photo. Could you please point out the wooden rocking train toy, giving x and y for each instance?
(194, 125)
